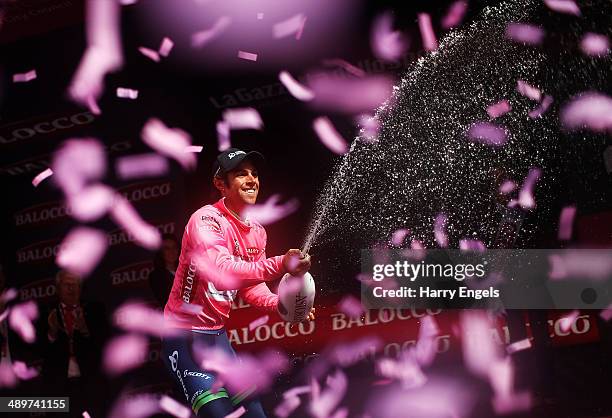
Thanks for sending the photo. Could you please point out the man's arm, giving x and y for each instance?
(260, 297)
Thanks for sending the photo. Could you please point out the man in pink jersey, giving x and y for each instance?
(222, 256)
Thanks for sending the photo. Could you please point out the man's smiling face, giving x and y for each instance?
(242, 186)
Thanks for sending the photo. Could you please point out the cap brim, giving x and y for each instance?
(256, 157)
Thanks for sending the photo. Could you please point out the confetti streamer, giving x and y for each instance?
(487, 133)
(194, 148)
(81, 250)
(347, 66)
(329, 136)
(288, 27)
(141, 165)
(126, 93)
(243, 118)
(524, 33)
(20, 320)
(203, 37)
(272, 211)
(24, 77)
(589, 110)
(351, 307)
(262, 320)
(542, 108)
(165, 47)
(566, 221)
(498, 109)
(124, 353)
(249, 56)
(563, 6)
(91, 203)
(223, 136)
(528, 90)
(518, 346)
(455, 14)
(237, 413)
(525, 198)
(350, 95)
(440, 230)
(296, 89)
(41, 176)
(77, 162)
(430, 43)
(138, 318)
(387, 44)
(169, 142)
(595, 44)
(124, 214)
(173, 407)
(149, 53)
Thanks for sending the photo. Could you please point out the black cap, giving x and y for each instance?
(232, 157)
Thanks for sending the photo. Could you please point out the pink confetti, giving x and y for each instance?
(272, 211)
(517, 402)
(262, 320)
(370, 126)
(455, 14)
(479, 350)
(243, 118)
(24, 77)
(41, 176)
(471, 245)
(170, 142)
(8, 295)
(399, 236)
(507, 187)
(20, 320)
(590, 110)
(528, 90)
(498, 109)
(23, 372)
(566, 221)
(606, 314)
(102, 56)
(430, 43)
(165, 47)
(524, 33)
(440, 230)
(425, 349)
(487, 133)
(91, 203)
(563, 6)
(345, 65)
(340, 413)
(249, 56)
(542, 107)
(173, 407)
(260, 16)
(518, 346)
(296, 89)
(566, 322)
(77, 162)
(194, 148)
(142, 165)
(149, 53)
(201, 38)
(85, 413)
(81, 250)
(287, 406)
(126, 93)
(595, 44)
(125, 353)
(579, 264)
(7, 375)
(288, 27)
(139, 406)
(351, 306)
(134, 317)
(237, 413)
(525, 198)
(223, 136)
(124, 214)
(350, 95)
(387, 44)
(329, 136)
(406, 370)
(331, 395)
(296, 391)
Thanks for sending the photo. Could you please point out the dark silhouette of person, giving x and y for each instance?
(165, 264)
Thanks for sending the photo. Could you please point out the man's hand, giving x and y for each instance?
(296, 263)
(311, 316)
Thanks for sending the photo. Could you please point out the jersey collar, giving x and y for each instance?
(244, 225)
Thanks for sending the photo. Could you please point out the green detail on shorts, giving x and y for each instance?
(241, 396)
(206, 397)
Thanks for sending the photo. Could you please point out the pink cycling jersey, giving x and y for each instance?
(221, 257)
